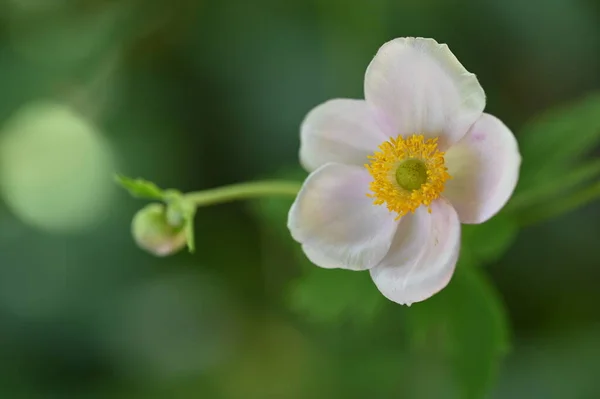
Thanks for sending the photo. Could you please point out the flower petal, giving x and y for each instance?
(342, 131)
(423, 255)
(321, 259)
(484, 166)
(420, 87)
(338, 225)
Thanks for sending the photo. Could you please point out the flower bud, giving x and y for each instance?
(153, 233)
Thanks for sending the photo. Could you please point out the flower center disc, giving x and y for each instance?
(407, 173)
(411, 174)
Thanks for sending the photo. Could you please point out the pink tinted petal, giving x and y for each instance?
(341, 131)
(423, 255)
(420, 87)
(484, 166)
(337, 223)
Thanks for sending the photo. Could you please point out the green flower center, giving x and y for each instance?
(411, 174)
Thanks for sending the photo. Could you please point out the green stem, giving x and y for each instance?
(557, 208)
(240, 191)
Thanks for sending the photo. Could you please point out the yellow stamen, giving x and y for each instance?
(384, 167)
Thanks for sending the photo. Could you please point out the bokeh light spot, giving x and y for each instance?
(55, 168)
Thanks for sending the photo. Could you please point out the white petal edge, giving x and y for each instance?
(342, 131)
(335, 220)
(423, 255)
(484, 166)
(321, 259)
(420, 87)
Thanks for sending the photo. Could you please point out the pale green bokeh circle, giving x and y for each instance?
(55, 168)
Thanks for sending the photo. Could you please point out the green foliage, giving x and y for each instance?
(487, 242)
(140, 188)
(553, 142)
(560, 184)
(552, 209)
(552, 146)
(323, 295)
(467, 326)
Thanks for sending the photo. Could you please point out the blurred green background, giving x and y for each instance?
(195, 94)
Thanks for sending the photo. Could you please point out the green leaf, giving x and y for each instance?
(564, 205)
(551, 143)
(552, 147)
(487, 242)
(561, 184)
(334, 295)
(140, 188)
(466, 325)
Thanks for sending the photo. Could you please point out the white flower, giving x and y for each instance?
(394, 175)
